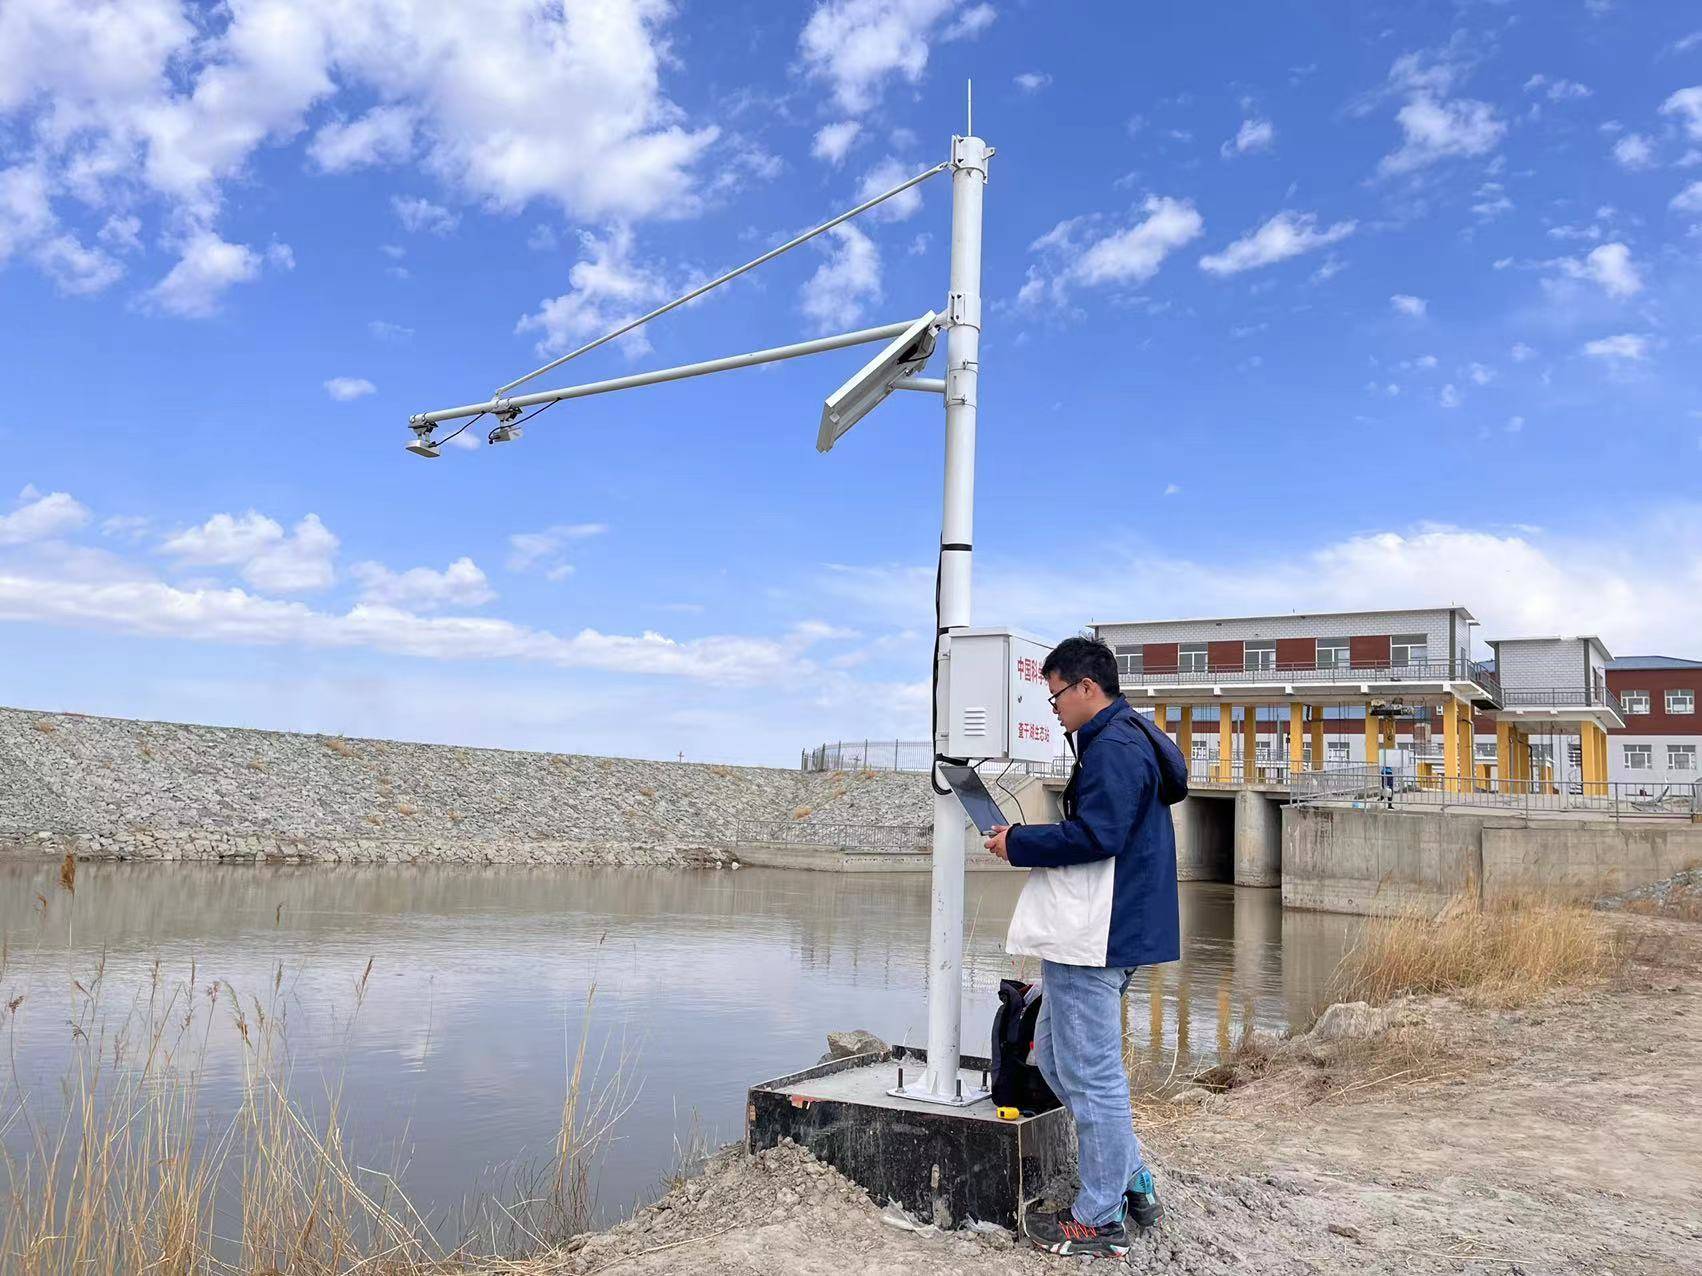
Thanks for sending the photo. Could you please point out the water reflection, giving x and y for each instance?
(480, 976)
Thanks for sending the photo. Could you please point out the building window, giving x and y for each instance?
(1335, 751)
(1638, 757)
(1408, 649)
(1333, 653)
(1634, 701)
(1200, 751)
(1129, 661)
(1485, 749)
(1542, 755)
(1574, 755)
(1259, 655)
(1681, 757)
(1681, 701)
(1263, 752)
(1191, 658)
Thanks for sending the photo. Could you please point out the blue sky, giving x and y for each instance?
(1285, 310)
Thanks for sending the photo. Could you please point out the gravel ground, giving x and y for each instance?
(1679, 896)
(1558, 1138)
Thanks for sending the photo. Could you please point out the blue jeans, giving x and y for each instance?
(1078, 1045)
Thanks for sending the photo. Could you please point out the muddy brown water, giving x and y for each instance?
(452, 1068)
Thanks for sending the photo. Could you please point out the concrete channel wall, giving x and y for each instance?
(1345, 860)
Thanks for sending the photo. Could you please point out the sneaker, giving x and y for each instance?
(1140, 1202)
(1057, 1232)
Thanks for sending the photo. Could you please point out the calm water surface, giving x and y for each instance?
(453, 1064)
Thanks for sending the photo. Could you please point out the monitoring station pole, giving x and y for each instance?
(897, 367)
(957, 532)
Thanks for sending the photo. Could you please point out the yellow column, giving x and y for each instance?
(1587, 757)
(1225, 742)
(1451, 771)
(1468, 746)
(1604, 769)
(1161, 717)
(1505, 749)
(1296, 738)
(1185, 733)
(1249, 743)
(1373, 737)
(1317, 737)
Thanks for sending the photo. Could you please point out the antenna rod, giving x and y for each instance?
(695, 293)
(969, 108)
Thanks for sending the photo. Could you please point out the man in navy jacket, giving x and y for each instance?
(1100, 900)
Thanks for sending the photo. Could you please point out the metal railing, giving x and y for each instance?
(903, 755)
(1311, 672)
(1611, 799)
(1561, 698)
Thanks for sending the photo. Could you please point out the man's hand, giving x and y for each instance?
(996, 843)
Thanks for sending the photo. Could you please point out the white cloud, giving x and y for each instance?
(1283, 236)
(421, 215)
(25, 212)
(1686, 106)
(1450, 397)
(258, 546)
(1032, 81)
(1515, 424)
(1557, 90)
(1625, 346)
(1688, 200)
(1253, 135)
(384, 330)
(1521, 352)
(1433, 130)
(843, 285)
(1406, 304)
(608, 286)
(833, 141)
(971, 22)
(1625, 580)
(1634, 151)
(461, 584)
(40, 516)
(857, 46)
(883, 177)
(384, 135)
(1479, 374)
(121, 233)
(343, 389)
(1080, 251)
(1172, 489)
(1610, 267)
(208, 267)
(163, 108)
(75, 269)
(546, 551)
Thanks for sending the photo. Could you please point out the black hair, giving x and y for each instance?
(1084, 657)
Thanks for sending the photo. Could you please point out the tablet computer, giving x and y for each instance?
(966, 783)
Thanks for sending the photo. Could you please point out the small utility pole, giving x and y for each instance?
(957, 533)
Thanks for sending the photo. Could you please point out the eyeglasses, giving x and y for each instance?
(1056, 695)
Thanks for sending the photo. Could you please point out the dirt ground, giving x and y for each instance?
(1565, 1137)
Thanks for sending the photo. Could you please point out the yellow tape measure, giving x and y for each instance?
(1009, 1114)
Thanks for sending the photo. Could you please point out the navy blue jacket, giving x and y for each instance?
(1112, 811)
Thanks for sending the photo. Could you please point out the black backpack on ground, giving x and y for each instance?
(1017, 1083)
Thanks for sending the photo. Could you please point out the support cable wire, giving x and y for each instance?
(695, 293)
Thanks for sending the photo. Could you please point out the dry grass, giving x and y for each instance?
(454, 817)
(719, 771)
(136, 1175)
(800, 812)
(1497, 957)
(256, 764)
(45, 727)
(404, 808)
(645, 790)
(341, 747)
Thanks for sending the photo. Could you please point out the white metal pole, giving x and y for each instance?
(957, 530)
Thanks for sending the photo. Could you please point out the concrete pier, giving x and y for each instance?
(1258, 840)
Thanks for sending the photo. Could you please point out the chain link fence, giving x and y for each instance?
(1607, 799)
